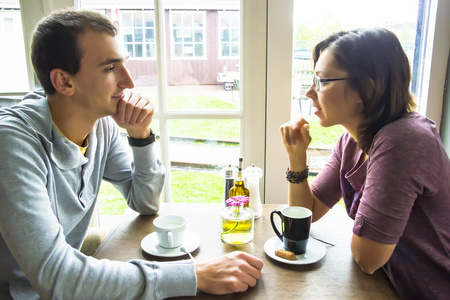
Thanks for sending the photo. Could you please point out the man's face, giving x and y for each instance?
(103, 76)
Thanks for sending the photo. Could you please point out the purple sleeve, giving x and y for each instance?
(401, 166)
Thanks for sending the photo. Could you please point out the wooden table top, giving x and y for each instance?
(336, 276)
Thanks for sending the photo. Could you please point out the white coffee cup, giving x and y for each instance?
(170, 230)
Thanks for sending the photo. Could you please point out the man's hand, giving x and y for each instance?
(135, 114)
(231, 273)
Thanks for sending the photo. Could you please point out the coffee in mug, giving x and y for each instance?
(170, 230)
(296, 223)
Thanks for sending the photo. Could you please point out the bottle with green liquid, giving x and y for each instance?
(239, 188)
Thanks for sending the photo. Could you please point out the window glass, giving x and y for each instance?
(199, 148)
(137, 29)
(229, 34)
(310, 28)
(197, 85)
(14, 76)
(190, 25)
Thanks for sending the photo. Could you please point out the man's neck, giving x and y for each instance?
(70, 120)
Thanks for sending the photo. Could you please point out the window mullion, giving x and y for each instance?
(162, 95)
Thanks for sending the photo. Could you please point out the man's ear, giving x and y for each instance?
(62, 82)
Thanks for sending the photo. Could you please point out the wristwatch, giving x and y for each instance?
(142, 142)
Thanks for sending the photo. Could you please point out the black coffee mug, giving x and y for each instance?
(296, 223)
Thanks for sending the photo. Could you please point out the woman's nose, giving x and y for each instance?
(311, 92)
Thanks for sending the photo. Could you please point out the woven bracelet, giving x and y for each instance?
(297, 177)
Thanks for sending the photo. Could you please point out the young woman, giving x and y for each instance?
(390, 167)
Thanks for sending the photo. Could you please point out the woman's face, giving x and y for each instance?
(335, 102)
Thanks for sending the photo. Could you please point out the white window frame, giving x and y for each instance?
(230, 43)
(279, 65)
(192, 29)
(266, 52)
(144, 43)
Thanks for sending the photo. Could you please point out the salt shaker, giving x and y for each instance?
(253, 174)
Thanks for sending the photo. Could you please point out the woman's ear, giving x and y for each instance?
(62, 82)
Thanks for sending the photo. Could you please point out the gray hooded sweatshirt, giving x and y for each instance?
(48, 190)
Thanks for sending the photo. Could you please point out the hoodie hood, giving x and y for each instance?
(34, 112)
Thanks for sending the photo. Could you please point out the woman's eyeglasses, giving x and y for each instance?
(317, 81)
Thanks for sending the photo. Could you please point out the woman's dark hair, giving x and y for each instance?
(379, 70)
(55, 42)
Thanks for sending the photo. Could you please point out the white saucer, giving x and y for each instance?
(150, 245)
(315, 251)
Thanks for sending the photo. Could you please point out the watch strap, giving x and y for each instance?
(142, 142)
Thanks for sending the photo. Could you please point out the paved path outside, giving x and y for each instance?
(192, 155)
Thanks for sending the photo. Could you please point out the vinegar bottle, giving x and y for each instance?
(239, 188)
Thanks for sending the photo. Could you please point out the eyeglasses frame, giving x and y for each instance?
(323, 80)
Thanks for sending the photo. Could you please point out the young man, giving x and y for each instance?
(55, 151)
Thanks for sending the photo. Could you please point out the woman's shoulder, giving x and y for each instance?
(410, 126)
(412, 131)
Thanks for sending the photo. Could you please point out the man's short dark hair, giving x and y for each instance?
(55, 42)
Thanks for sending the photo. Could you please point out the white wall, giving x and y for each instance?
(436, 58)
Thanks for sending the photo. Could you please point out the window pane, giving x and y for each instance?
(127, 35)
(137, 20)
(225, 35)
(138, 35)
(225, 50)
(150, 35)
(148, 19)
(176, 19)
(198, 20)
(199, 149)
(127, 20)
(12, 51)
(188, 50)
(199, 50)
(129, 48)
(224, 20)
(207, 97)
(193, 84)
(187, 20)
(150, 50)
(234, 20)
(138, 50)
(235, 50)
(309, 29)
(187, 35)
(235, 35)
(178, 48)
(198, 35)
(229, 32)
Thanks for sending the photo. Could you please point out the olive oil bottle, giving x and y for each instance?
(239, 188)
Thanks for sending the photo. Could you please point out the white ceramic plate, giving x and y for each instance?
(150, 245)
(315, 251)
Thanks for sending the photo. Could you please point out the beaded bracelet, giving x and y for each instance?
(297, 177)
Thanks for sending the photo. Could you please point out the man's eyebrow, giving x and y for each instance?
(112, 61)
